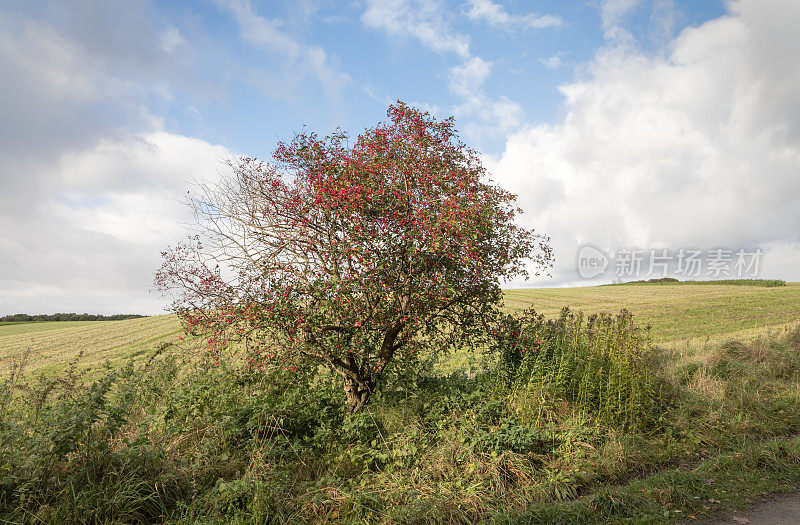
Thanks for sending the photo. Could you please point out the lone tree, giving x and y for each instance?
(351, 256)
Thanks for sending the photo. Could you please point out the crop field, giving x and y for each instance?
(676, 312)
(51, 345)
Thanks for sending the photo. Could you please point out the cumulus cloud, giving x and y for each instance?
(422, 20)
(699, 147)
(91, 240)
(496, 16)
(428, 23)
(89, 172)
(88, 175)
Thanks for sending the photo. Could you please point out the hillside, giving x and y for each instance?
(676, 312)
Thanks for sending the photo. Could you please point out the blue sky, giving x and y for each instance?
(245, 111)
(620, 123)
(237, 87)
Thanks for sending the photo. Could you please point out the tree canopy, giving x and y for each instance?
(349, 255)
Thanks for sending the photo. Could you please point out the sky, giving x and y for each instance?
(626, 127)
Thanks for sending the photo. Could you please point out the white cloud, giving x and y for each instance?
(663, 17)
(89, 179)
(260, 31)
(697, 148)
(427, 22)
(496, 16)
(423, 20)
(613, 11)
(171, 39)
(91, 242)
(553, 62)
(485, 115)
(468, 77)
(265, 33)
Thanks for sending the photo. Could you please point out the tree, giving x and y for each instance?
(351, 255)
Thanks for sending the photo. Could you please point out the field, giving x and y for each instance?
(678, 314)
(51, 345)
(704, 419)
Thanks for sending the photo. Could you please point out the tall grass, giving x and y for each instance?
(68, 456)
(596, 362)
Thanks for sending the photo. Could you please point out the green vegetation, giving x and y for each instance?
(679, 314)
(570, 419)
(595, 364)
(676, 311)
(25, 318)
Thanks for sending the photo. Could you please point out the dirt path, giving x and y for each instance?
(781, 510)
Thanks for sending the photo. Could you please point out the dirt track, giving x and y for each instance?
(781, 510)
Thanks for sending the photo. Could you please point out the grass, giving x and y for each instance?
(726, 481)
(679, 313)
(155, 440)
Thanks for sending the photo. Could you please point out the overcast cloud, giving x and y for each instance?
(91, 182)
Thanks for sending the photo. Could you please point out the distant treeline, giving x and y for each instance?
(768, 283)
(25, 318)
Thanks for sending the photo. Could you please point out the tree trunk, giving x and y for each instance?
(358, 392)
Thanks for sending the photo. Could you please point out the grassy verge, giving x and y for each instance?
(725, 482)
(156, 440)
